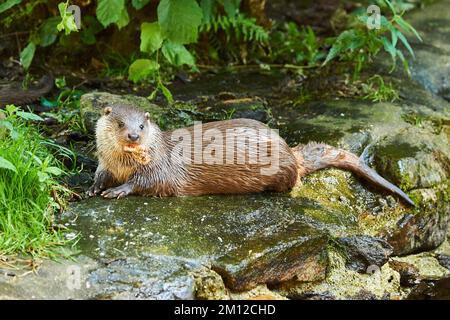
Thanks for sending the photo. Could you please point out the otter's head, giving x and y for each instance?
(122, 126)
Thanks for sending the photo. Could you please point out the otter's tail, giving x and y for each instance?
(19, 96)
(315, 156)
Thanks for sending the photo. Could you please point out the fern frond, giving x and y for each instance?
(240, 27)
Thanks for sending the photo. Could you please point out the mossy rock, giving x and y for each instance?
(92, 104)
(414, 158)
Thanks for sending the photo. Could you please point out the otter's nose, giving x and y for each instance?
(133, 136)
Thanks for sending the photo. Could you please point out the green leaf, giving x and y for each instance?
(231, 7)
(391, 7)
(404, 61)
(166, 92)
(406, 44)
(179, 20)
(406, 26)
(141, 69)
(88, 37)
(394, 36)
(10, 109)
(27, 54)
(8, 4)
(91, 27)
(151, 38)
(67, 20)
(109, 11)
(5, 164)
(153, 94)
(8, 125)
(208, 11)
(55, 171)
(384, 22)
(177, 54)
(139, 4)
(124, 18)
(389, 47)
(48, 31)
(342, 43)
(60, 82)
(42, 176)
(29, 116)
(35, 158)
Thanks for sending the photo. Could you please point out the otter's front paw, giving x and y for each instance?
(118, 192)
(95, 189)
(103, 179)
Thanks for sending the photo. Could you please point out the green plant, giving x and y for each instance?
(236, 26)
(229, 33)
(360, 44)
(162, 42)
(399, 5)
(298, 46)
(30, 194)
(376, 90)
(303, 97)
(66, 108)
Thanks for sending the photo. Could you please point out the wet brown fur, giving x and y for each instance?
(168, 175)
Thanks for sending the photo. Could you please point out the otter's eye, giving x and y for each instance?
(121, 124)
(141, 126)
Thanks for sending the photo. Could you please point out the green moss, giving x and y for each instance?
(325, 187)
(389, 158)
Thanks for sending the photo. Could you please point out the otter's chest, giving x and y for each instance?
(121, 168)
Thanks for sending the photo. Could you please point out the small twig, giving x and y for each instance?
(80, 84)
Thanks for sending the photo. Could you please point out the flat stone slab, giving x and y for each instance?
(249, 240)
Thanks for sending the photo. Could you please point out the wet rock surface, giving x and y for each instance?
(444, 260)
(431, 67)
(409, 274)
(265, 241)
(420, 232)
(333, 237)
(431, 290)
(364, 252)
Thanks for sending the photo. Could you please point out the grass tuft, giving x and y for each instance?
(30, 194)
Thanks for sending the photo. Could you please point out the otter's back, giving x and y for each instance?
(233, 156)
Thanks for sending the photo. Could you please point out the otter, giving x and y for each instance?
(222, 157)
(15, 94)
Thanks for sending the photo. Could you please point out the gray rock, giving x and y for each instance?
(431, 290)
(67, 279)
(431, 67)
(362, 252)
(264, 241)
(409, 274)
(444, 260)
(413, 158)
(421, 232)
(149, 277)
(92, 104)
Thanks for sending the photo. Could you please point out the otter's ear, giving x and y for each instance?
(107, 110)
(147, 116)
